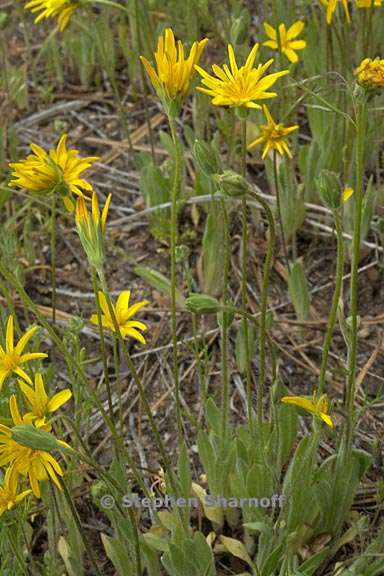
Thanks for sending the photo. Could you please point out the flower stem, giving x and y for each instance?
(175, 194)
(77, 520)
(335, 302)
(264, 305)
(358, 197)
(103, 347)
(142, 392)
(278, 201)
(224, 333)
(244, 270)
(53, 255)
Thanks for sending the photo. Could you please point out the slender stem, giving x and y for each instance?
(278, 201)
(244, 270)
(358, 197)
(103, 347)
(264, 305)
(335, 302)
(175, 194)
(16, 551)
(53, 255)
(77, 520)
(142, 393)
(224, 334)
(116, 361)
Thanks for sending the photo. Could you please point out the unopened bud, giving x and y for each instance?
(232, 184)
(31, 437)
(206, 157)
(202, 304)
(329, 187)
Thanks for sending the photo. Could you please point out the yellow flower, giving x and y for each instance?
(41, 405)
(368, 3)
(12, 357)
(174, 72)
(346, 194)
(57, 170)
(123, 313)
(91, 228)
(239, 87)
(285, 40)
(331, 6)
(60, 9)
(8, 492)
(273, 136)
(370, 73)
(317, 407)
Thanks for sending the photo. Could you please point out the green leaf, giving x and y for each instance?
(298, 290)
(160, 282)
(117, 553)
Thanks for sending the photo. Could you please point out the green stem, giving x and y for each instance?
(53, 255)
(142, 392)
(175, 194)
(224, 334)
(244, 270)
(335, 302)
(358, 198)
(278, 201)
(264, 305)
(102, 346)
(77, 520)
(12, 541)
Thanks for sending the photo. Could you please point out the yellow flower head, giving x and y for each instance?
(8, 492)
(318, 407)
(41, 404)
(57, 170)
(60, 9)
(174, 72)
(273, 136)
(123, 312)
(368, 3)
(331, 6)
(38, 465)
(285, 40)
(240, 87)
(12, 357)
(91, 228)
(370, 73)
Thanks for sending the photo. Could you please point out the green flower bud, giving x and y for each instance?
(240, 28)
(31, 437)
(206, 157)
(202, 304)
(232, 184)
(329, 187)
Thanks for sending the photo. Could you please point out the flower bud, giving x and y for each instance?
(232, 184)
(329, 187)
(206, 157)
(31, 437)
(240, 28)
(202, 304)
